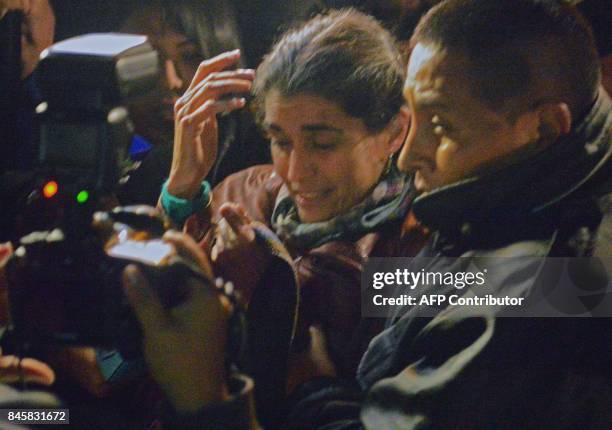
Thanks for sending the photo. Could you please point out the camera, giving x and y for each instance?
(65, 279)
(85, 131)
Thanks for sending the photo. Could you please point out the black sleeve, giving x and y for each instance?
(237, 413)
(325, 403)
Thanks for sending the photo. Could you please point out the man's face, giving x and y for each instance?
(453, 135)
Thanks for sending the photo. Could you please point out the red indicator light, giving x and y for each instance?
(50, 189)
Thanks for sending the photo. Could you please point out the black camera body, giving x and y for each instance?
(65, 278)
(66, 288)
(85, 131)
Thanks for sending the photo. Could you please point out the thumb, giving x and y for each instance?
(318, 341)
(37, 371)
(319, 353)
(237, 218)
(143, 299)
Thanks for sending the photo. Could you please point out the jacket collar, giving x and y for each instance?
(523, 192)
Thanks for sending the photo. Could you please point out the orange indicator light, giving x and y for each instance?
(50, 189)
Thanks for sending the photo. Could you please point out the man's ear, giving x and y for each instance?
(398, 129)
(555, 120)
(543, 125)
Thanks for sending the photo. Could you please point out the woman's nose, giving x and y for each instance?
(300, 166)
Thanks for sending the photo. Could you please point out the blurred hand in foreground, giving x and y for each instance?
(184, 346)
(14, 370)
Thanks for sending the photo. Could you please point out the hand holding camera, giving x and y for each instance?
(116, 279)
(185, 347)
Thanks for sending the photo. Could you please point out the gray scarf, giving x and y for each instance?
(388, 201)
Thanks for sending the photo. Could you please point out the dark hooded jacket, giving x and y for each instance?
(467, 368)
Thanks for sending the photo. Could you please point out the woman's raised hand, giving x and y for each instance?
(213, 90)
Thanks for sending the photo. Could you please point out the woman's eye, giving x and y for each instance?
(280, 143)
(324, 146)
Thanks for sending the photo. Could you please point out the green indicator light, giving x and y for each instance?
(82, 197)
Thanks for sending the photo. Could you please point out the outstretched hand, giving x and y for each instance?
(184, 346)
(236, 254)
(195, 121)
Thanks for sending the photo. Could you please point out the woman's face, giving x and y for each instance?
(328, 159)
(179, 57)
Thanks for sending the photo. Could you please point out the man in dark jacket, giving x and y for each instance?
(510, 149)
(510, 145)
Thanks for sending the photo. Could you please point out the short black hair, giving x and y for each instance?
(344, 56)
(517, 49)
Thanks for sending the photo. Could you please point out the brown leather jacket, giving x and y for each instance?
(329, 275)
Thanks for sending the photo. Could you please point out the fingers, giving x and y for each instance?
(215, 64)
(155, 320)
(143, 299)
(211, 71)
(12, 370)
(210, 108)
(189, 250)
(234, 209)
(216, 89)
(234, 234)
(204, 306)
(211, 89)
(238, 220)
(244, 74)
